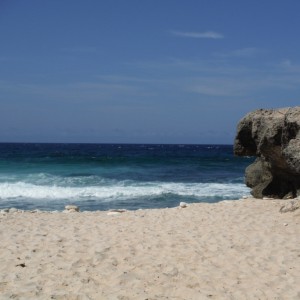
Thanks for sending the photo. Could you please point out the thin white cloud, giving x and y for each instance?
(77, 91)
(286, 63)
(243, 52)
(198, 35)
(218, 86)
(288, 66)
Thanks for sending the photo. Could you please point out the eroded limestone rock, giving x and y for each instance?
(274, 137)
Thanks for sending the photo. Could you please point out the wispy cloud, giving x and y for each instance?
(227, 86)
(286, 63)
(243, 52)
(222, 77)
(288, 66)
(78, 91)
(198, 35)
(241, 85)
(148, 81)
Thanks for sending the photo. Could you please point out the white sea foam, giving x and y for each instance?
(121, 190)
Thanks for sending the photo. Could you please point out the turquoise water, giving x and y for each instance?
(104, 176)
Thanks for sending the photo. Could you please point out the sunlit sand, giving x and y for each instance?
(242, 249)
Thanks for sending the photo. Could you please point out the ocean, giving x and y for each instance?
(110, 176)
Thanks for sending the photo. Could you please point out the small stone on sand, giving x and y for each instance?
(183, 204)
(72, 208)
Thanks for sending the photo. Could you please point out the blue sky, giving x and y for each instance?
(140, 71)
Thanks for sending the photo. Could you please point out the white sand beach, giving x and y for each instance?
(242, 249)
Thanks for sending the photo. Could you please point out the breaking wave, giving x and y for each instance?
(122, 190)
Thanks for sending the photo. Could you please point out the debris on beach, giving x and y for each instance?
(290, 206)
(71, 209)
(114, 212)
(13, 210)
(183, 204)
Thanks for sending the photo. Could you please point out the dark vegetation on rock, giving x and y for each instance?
(274, 137)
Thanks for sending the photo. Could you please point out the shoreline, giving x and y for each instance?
(232, 249)
(76, 209)
(72, 208)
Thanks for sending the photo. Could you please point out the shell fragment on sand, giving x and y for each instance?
(183, 204)
(115, 212)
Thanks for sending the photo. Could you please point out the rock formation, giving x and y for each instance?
(274, 137)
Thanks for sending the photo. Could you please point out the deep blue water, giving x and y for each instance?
(104, 176)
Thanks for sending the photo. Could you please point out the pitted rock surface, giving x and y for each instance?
(274, 137)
